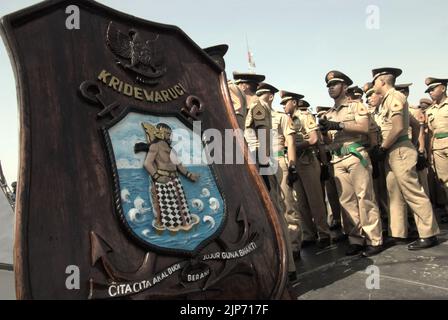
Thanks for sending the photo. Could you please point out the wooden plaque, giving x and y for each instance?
(100, 107)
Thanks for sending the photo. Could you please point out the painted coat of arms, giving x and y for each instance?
(163, 202)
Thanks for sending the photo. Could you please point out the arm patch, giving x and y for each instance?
(311, 122)
(258, 112)
(362, 110)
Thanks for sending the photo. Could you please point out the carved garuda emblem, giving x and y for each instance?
(142, 57)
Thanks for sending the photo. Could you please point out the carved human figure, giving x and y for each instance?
(170, 202)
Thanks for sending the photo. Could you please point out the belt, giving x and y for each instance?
(279, 154)
(352, 149)
(166, 173)
(442, 135)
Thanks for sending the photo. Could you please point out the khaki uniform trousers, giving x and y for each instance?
(276, 182)
(338, 212)
(310, 199)
(404, 188)
(291, 213)
(356, 195)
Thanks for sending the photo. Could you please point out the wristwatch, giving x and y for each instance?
(342, 125)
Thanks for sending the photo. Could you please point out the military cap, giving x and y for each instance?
(425, 101)
(303, 104)
(403, 86)
(322, 108)
(247, 77)
(337, 76)
(368, 89)
(265, 88)
(355, 90)
(434, 82)
(383, 71)
(219, 50)
(286, 96)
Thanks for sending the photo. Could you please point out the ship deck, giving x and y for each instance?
(403, 275)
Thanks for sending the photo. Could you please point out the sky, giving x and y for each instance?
(294, 43)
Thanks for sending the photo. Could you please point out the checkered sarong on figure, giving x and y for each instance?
(173, 205)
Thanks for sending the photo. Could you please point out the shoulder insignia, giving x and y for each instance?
(311, 122)
(398, 101)
(396, 106)
(258, 112)
(362, 110)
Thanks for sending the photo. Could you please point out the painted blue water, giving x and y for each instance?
(137, 205)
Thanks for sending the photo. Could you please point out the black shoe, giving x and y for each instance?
(340, 238)
(308, 243)
(292, 276)
(372, 250)
(354, 249)
(323, 243)
(335, 226)
(393, 241)
(423, 243)
(296, 255)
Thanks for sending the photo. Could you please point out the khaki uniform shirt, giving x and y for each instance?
(347, 112)
(238, 99)
(437, 119)
(394, 102)
(281, 128)
(304, 123)
(258, 117)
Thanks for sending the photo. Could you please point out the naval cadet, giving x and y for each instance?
(437, 120)
(284, 153)
(400, 157)
(346, 128)
(308, 188)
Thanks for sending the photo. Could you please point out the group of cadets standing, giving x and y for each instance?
(372, 163)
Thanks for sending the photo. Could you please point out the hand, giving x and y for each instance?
(422, 161)
(327, 125)
(293, 176)
(324, 172)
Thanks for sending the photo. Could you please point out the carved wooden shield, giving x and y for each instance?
(100, 108)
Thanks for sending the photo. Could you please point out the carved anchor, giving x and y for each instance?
(101, 251)
(193, 107)
(93, 94)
